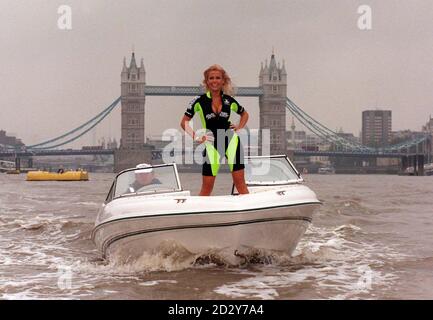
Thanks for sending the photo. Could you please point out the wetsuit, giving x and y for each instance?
(226, 141)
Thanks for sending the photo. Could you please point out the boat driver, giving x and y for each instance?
(145, 176)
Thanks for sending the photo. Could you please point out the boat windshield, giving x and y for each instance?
(270, 170)
(160, 178)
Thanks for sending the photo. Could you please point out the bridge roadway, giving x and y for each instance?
(351, 154)
(158, 153)
(67, 152)
(195, 91)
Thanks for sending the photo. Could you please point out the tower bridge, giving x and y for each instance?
(273, 106)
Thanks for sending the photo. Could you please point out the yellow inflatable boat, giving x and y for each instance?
(54, 176)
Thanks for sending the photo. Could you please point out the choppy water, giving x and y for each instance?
(372, 239)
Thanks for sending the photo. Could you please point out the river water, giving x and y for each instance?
(371, 239)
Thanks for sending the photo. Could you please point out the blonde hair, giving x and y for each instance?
(227, 87)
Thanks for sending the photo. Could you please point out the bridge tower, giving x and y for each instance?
(273, 80)
(133, 149)
(133, 80)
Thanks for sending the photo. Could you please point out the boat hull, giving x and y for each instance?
(231, 234)
(228, 240)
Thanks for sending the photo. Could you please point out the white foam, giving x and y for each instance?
(339, 268)
(156, 282)
(257, 287)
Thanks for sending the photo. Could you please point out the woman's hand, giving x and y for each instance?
(206, 137)
(200, 139)
(242, 122)
(234, 127)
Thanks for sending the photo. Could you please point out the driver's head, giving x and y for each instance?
(145, 173)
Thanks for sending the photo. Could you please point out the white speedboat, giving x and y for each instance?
(410, 171)
(271, 218)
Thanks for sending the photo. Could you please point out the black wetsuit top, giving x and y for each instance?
(217, 121)
(214, 121)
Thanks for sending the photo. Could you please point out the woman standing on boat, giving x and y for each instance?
(214, 108)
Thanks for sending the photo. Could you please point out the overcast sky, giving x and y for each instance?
(53, 80)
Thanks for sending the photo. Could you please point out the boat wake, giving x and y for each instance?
(332, 260)
(170, 256)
